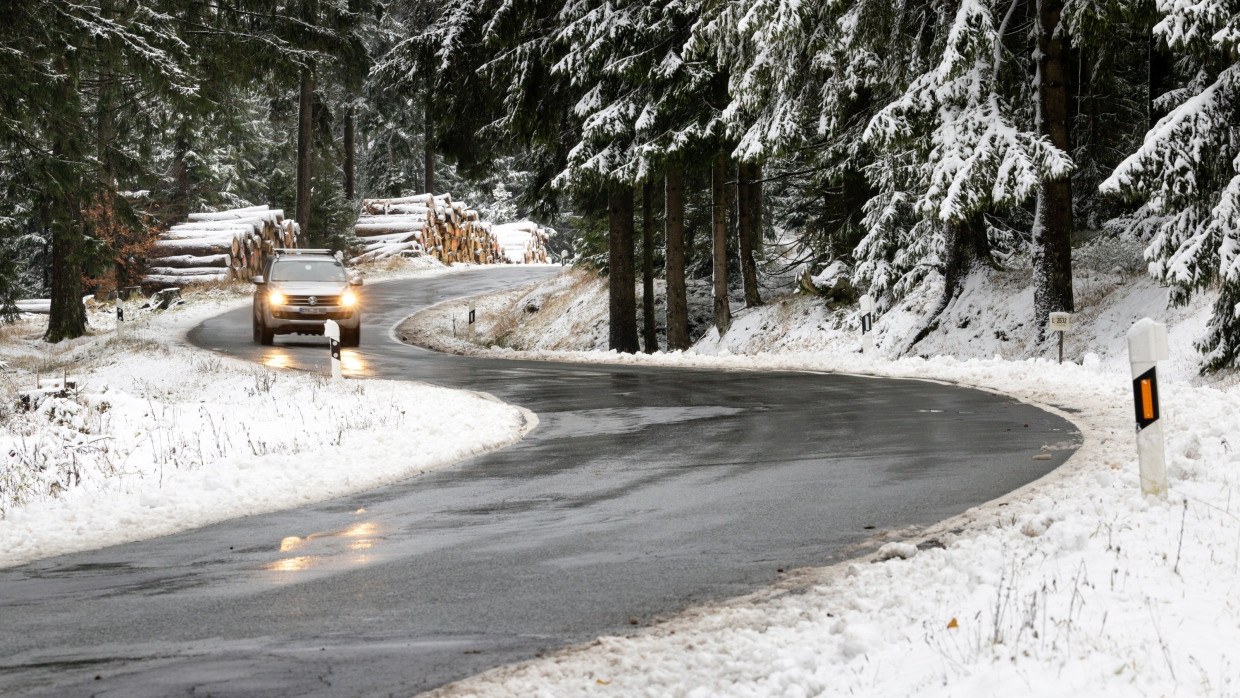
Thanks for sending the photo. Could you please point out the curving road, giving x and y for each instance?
(643, 491)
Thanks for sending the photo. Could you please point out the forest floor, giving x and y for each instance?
(1076, 584)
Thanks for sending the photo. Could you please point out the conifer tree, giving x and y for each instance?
(50, 120)
(950, 150)
(1188, 171)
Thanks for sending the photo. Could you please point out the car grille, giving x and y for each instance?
(305, 300)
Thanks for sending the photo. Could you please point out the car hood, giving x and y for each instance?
(310, 288)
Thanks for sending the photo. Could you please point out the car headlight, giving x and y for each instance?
(276, 298)
(348, 299)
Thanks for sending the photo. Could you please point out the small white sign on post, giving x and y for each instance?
(1147, 345)
(471, 321)
(867, 324)
(331, 330)
(1060, 322)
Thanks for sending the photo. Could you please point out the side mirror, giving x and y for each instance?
(258, 280)
(355, 281)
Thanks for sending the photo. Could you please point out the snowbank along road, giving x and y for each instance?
(641, 492)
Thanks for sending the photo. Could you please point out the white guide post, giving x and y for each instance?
(472, 316)
(120, 316)
(331, 330)
(1147, 345)
(867, 324)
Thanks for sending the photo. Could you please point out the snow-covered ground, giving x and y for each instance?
(1076, 585)
(160, 437)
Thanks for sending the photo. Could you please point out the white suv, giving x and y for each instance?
(300, 290)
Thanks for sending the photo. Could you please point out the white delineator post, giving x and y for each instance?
(1147, 345)
(120, 316)
(867, 324)
(471, 321)
(331, 330)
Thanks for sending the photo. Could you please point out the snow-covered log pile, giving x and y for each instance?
(434, 225)
(523, 242)
(218, 246)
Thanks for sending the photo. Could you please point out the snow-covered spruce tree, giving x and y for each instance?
(1188, 171)
(531, 112)
(604, 46)
(54, 52)
(640, 115)
(1052, 223)
(425, 87)
(713, 43)
(949, 151)
(755, 44)
(811, 77)
(1115, 63)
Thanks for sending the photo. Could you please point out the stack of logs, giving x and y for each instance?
(524, 242)
(434, 225)
(218, 246)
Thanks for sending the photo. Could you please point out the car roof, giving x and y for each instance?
(308, 258)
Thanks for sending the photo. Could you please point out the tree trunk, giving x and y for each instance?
(965, 242)
(105, 139)
(650, 336)
(622, 335)
(349, 152)
(1052, 227)
(1159, 68)
(745, 227)
(428, 150)
(305, 148)
(67, 318)
(719, 245)
(674, 228)
(755, 207)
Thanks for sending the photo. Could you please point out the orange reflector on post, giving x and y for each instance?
(1145, 395)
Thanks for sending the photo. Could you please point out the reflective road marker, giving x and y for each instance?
(331, 329)
(1147, 345)
(867, 324)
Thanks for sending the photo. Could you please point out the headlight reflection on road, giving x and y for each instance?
(352, 363)
(340, 549)
(291, 564)
(277, 359)
(364, 535)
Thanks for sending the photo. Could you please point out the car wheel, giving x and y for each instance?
(262, 334)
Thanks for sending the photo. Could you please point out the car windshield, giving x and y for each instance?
(307, 270)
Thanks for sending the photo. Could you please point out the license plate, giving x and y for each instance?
(312, 311)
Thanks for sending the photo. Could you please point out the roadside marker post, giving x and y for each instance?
(331, 329)
(1147, 345)
(120, 317)
(1060, 322)
(867, 324)
(471, 321)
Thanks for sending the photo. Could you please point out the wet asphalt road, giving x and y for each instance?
(642, 491)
